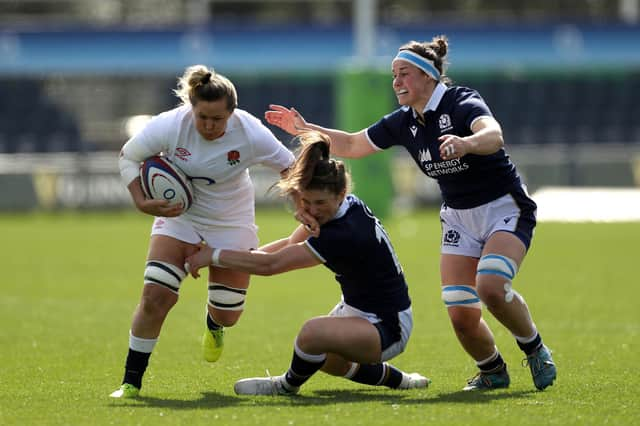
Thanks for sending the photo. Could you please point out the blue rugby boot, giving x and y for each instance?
(487, 381)
(543, 369)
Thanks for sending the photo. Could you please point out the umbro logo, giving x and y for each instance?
(414, 130)
(182, 153)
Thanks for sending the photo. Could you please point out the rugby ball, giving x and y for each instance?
(163, 180)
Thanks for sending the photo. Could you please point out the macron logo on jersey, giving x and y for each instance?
(425, 156)
(414, 130)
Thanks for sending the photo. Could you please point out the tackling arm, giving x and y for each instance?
(343, 144)
(290, 257)
(296, 256)
(300, 234)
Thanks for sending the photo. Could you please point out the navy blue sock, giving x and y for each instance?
(382, 374)
(135, 367)
(532, 346)
(492, 366)
(301, 370)
(211, 324)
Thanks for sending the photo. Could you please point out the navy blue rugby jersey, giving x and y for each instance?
(355, 246)
(464, 182)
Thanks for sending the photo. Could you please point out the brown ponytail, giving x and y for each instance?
(314, 168)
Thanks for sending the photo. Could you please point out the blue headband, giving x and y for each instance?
(423, 63)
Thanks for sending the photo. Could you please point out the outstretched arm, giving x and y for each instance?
(299, 235)
(343, 144)
(296, 256)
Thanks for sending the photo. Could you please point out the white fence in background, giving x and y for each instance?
(92, 181)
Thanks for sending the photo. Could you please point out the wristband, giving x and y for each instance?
(215, 257)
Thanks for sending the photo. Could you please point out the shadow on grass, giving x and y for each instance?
(418, 397)
(463, 397)
(208, 399)
(327, 397)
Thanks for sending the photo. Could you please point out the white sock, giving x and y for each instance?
(140, 344)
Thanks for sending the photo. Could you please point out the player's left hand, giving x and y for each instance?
(452, 146)
(288, 119)
(198, 260)
(160, 208)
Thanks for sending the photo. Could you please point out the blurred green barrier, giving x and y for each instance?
(362, 98)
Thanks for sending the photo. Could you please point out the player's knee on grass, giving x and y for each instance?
(309, 336)
(335, 365)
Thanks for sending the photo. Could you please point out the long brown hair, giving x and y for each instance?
(314, 169)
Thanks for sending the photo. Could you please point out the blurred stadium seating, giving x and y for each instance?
(565, 109)
(71, 71)
(86, 113)
(31, 122)
(559, 75)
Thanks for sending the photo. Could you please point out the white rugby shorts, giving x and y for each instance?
(465, 231)
(228, 237)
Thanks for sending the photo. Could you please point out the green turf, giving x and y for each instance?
(70, 283)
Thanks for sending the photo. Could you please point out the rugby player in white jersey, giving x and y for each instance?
(373, 321)
(213, 143)
(487, 217)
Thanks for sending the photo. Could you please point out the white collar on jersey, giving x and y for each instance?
(342, 209)
(435, 99)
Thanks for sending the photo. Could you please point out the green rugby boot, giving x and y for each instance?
(125, 391)
(212, 344)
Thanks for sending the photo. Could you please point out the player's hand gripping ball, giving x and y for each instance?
(163, 180)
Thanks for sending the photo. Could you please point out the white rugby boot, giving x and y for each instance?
(414, 381)
(272, 385)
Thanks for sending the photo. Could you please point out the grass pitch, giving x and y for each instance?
(71, 281)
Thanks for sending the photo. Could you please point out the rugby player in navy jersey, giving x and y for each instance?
(373, 321)
(487, 217)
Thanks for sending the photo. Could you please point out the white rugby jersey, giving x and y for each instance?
(218, 169)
